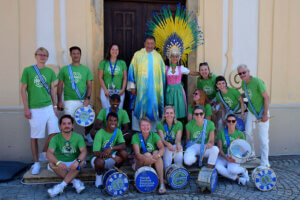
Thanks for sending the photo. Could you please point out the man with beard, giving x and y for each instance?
(66, 154)
(109, 148)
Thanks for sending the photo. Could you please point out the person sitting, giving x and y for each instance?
(109, 148)
(170, 132)
(200, 98)
(123, 119)
(226, 165)
(66, 155)
(200, 139)
(148, 149)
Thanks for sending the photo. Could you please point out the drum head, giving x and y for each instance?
(179, 178)
(240, 149)
(84, 116)
(116, 184)
(265, 179)
(240, 125)
(146, 181)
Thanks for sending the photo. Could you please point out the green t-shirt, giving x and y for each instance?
(122, 117)
(151, 143)
(207, 110)
(82, 74)
(196, 130)
(231, 98)
(67, 151)
(208, 86)
(38, 96)
(255, 89)
(177, 127)
(118, 73)
(232, 137)
(102, 138)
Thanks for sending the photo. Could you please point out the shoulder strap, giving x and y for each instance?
(142, 142)
(41, 79)
(168, 136)
(111, 139)
(227, 137)
(73, 83)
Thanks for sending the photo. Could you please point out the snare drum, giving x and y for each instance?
(239, 150)
(177, 176)
(116, 183)
(84, 116)
(207, 179)
(264, 178)
(145, 179)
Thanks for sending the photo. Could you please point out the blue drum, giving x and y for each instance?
(240, 125)
(264, 178)
(146, 179)
(207, 179)
(115, 183)
(84, 116)
(177, 176)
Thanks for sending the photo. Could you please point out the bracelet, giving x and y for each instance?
(54, 106)
(57, 163)
(158, 155)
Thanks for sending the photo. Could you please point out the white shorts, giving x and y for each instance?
(66, 163)
(70, 106)
(40, 117)
(109, 163)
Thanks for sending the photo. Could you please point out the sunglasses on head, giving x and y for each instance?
(231, 121)
(199, 114)
(242, 73)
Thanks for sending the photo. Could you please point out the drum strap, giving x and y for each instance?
(74, 86)
(227, 108)
(109, 110)
(257, 115)
(111, 139)
(143, 143)
(168, 136)
(190, 143)
(35, 67)
(227, 137)
(202, 146)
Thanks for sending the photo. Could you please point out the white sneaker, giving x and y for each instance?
(35, 168)
(246, 175)
(98, 181)
(57, 189)
(42, 157)
(242, 181)
(78, 185)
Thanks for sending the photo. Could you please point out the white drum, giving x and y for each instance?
(146, 179)
(84, 116)
(239, 150)
(264, 178)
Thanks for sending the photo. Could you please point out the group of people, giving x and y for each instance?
(159, 140)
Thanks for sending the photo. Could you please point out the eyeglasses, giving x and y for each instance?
(42, 55)
(68, 147)
(231, 121)
(195, 93)
(242, 73)
(199, 114)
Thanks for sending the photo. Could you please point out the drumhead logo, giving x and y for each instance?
(228, 101)
(208, 89)
(37, 81)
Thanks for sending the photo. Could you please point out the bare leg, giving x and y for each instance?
(99, 165)
(34, 149)
(68, 176)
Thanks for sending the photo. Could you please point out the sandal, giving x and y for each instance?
(162, 189)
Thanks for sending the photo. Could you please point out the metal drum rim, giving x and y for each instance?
(268, 168)
(106, 190)
(85, 107)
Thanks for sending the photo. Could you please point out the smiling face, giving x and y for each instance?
(198, 115)
(66, 125)
(112, 123)
(75, 55)
(196, 96)
(114, 103)
(174, 59)
(41, 56)
(114, 51)
(149, 45)
(204, 71)
(221, 85)
(231, 122)
(145, 126)
(169, 114)
(244, 73)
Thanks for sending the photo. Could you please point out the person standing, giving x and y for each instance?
(258, 105)
(39, 100)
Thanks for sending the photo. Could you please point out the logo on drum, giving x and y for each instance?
(179, 178)
(37, 81)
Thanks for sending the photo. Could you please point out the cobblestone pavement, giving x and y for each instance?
(287, 169)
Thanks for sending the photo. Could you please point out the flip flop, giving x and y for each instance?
(162, 189)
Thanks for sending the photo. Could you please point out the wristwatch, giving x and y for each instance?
(78, 160)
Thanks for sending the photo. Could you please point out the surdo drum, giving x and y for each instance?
(239, 150)
(115, 182)
(264, 178)
(84, 116)
(207, 179)
(177, 176)
(146, 179)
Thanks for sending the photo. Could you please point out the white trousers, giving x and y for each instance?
(105, 100)
(194, 150)
(168, 157)
(263, 134)
(70, 106)
(228, 169)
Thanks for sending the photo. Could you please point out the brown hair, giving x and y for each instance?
(107, 55)
(205, 64)
(203, 98)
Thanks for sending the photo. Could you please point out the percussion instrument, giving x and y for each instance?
(146, 179)
(207, 179)
(239, 150)
(115, 182)
(264, 178)
(84, 116)
(177, 176)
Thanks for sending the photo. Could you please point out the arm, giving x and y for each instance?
(188, 134)
(165, 143)
(221, 152)
(53, 160)
(60, 86)
(178, 140)
(160, 152)
(194, 73)
(82, 156)
(125, 127)
(102, 84)
(27, 112)
(124, 82)
(53, 97)
(266, 106)
(86, 102)
(242, 108)
(211, 140)
(140, 157)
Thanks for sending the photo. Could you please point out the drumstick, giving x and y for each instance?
(118, 170)
(240, 135)
(259, 120)
(173, 156)
(203, 154)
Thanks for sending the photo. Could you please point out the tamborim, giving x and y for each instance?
(264, 178)
(207, 179)
(115, 183)
(84, 116)
(177, 176)
(239, 150)
(145, 179)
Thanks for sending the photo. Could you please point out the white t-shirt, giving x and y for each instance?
(184, 70)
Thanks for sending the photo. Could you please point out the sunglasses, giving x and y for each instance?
(242, 73)
(199, 114)
(231, 121)
(195, 93)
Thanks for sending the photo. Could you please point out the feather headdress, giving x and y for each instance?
(177, 36)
